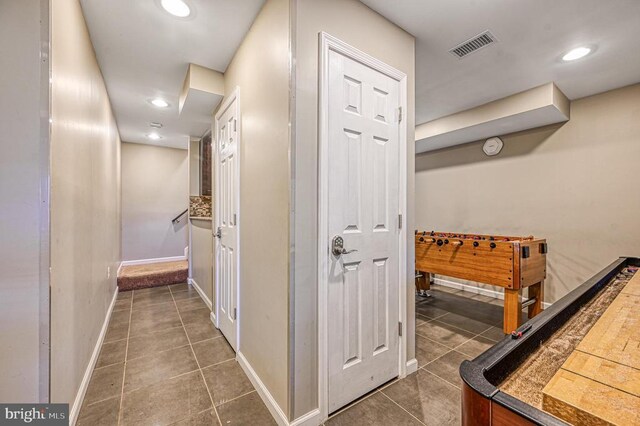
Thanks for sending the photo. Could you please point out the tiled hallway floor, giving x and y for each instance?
(451, 326)
(164, 363)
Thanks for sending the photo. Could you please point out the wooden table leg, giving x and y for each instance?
(423, 282)
(537, 291)
(512, 310)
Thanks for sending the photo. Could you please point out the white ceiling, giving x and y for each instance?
(532, 34)
(144, 53)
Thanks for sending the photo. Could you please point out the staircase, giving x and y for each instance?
(136, 277)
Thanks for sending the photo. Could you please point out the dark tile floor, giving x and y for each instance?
(451, 326)
(163, 363)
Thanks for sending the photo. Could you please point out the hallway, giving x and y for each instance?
(291, 166)
(163, 362)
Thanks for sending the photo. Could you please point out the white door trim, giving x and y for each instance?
(234, 96)
(329, 43)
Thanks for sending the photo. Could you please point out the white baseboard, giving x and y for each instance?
(268, 399)
(312, 418)
(412, 366)
(212, 316)
(475, 290)
(77, 403)
(202, 294)
(156, 260)
(468, 288)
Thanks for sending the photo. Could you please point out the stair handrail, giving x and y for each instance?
(177, 218)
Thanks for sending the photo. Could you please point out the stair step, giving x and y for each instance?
(135, 277)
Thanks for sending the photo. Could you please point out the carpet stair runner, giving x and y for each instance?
(136, 277)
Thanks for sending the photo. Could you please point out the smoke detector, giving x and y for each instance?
(473, 44)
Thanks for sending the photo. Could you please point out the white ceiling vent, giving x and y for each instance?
(473, 44)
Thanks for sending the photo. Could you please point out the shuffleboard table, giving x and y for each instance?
(513, 263)
(577, 363)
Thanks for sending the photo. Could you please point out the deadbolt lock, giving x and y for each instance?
(337, 246)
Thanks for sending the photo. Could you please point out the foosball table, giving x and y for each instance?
(513, 263)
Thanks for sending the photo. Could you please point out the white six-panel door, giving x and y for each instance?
(226, 230)
(363, 206)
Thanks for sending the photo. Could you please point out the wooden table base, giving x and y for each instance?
(512, 301)
(513, 306)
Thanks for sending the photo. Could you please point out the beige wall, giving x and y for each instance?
(573, 184)
(85, 200)
(202, 256)
(155, 185)
(354, 23)
(260, 68)
(23, 207)
(200, 233)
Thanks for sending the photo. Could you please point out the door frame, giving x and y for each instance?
(234, 96)
(329, 43)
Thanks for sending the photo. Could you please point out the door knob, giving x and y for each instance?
(337, 246)
(218, 233)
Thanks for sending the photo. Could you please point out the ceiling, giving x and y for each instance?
(144, 53)
(532, 37)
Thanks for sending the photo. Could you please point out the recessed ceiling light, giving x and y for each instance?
(160, 103)
(176, 7)
(154, 136)
(577, 53)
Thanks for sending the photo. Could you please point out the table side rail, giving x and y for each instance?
(482, 264)
(487, 237)
(485, 372)
(533, 268)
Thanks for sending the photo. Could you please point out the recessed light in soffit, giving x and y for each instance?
(158, 102)
(177, 8)
(577, 53)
